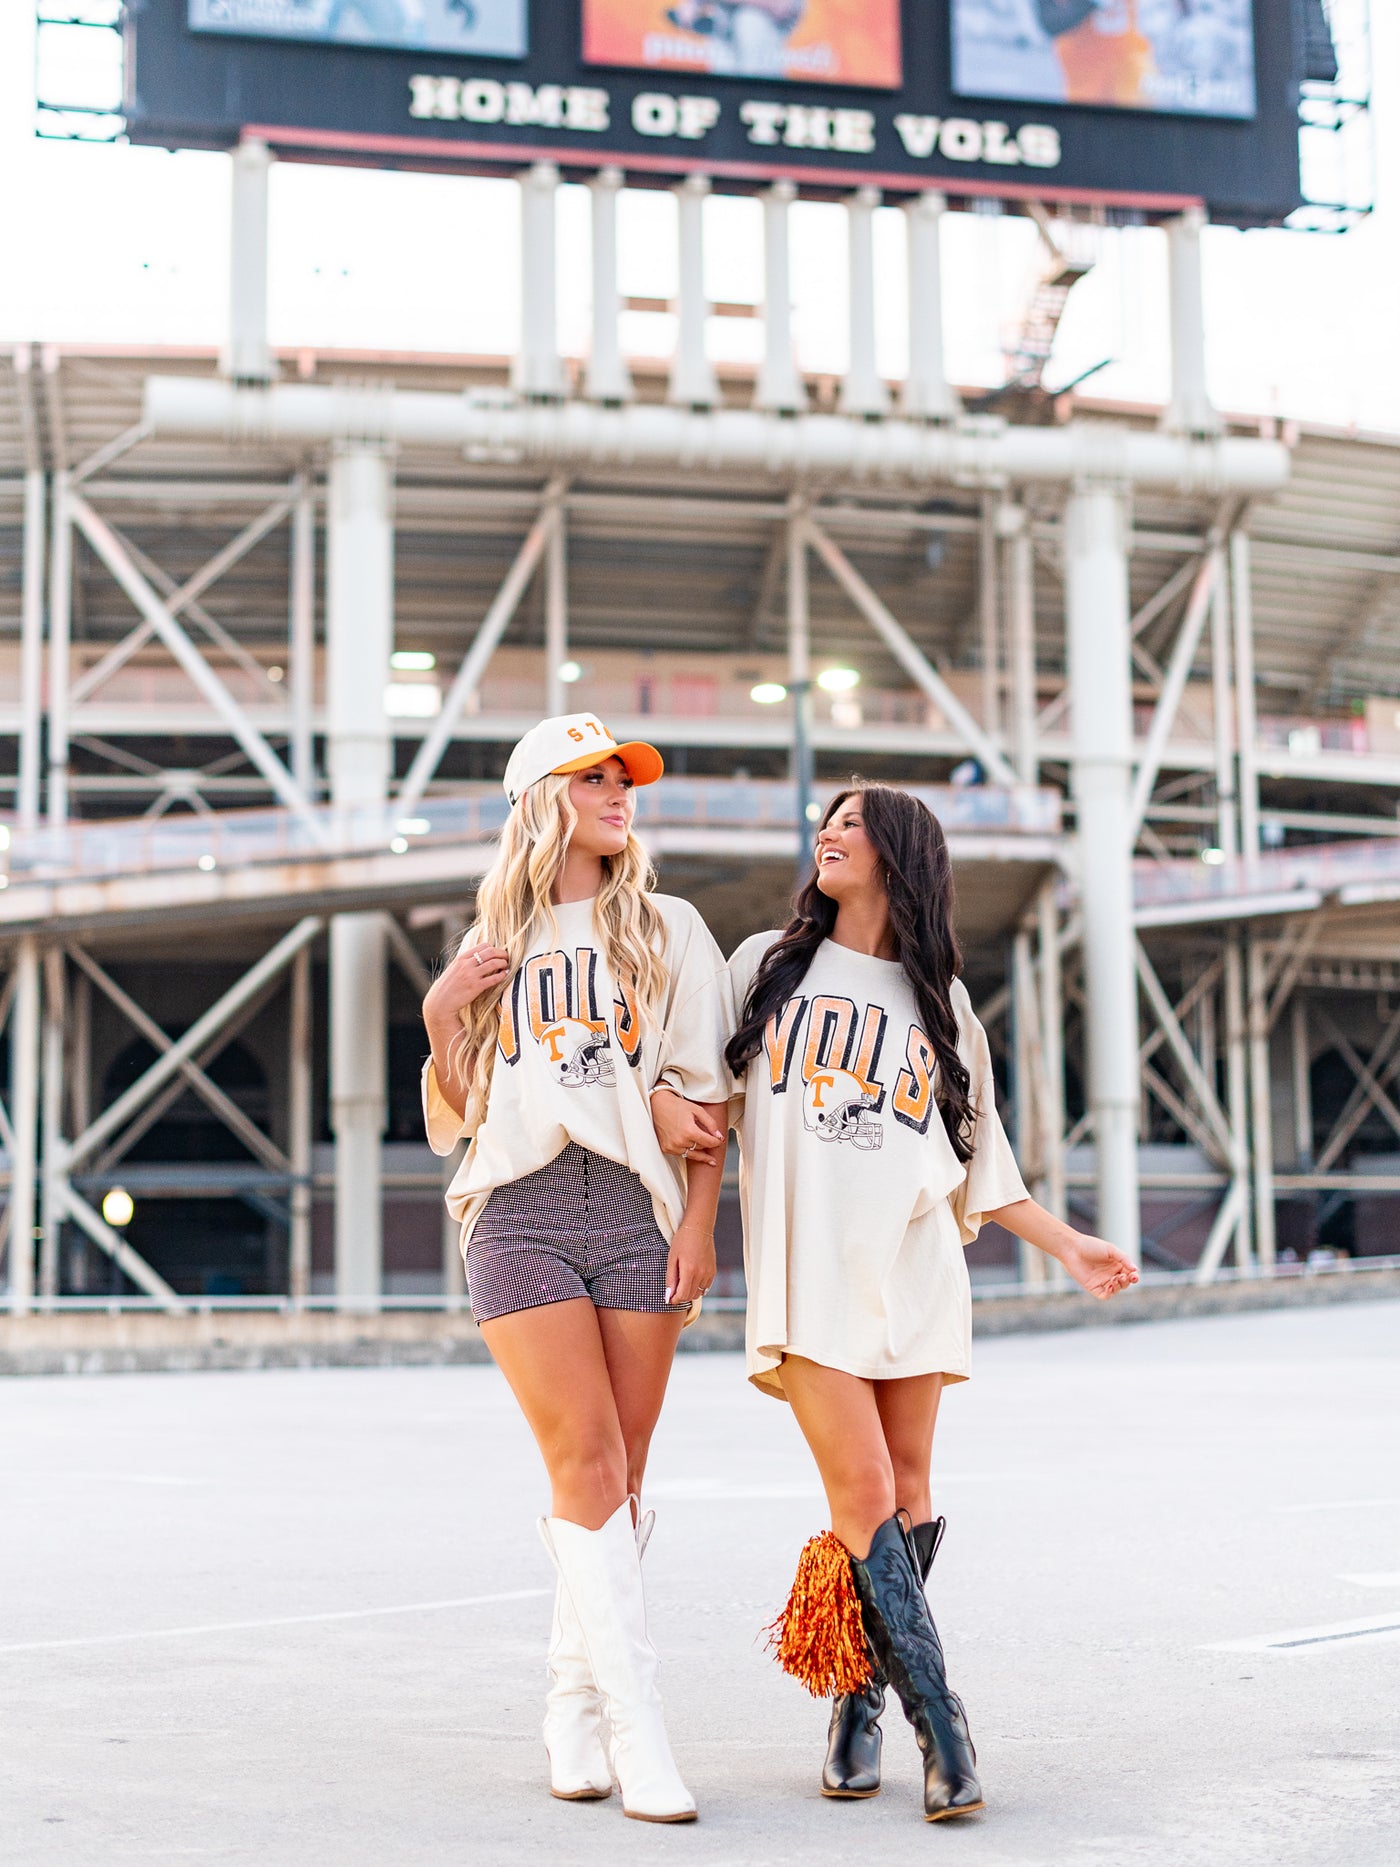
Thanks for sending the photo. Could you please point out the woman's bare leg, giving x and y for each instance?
(908, 1414)
(591, 1392)
(553, 1359)
(639, 1348)
(841, 1423)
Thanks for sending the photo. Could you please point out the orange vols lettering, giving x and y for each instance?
(829, 1030)
(627, 1023)
(780, 1040)
(912, 1100)
(547, 991)
(508, 1036)
(872, 1038)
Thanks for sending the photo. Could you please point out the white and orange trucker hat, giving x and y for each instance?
(573, 742)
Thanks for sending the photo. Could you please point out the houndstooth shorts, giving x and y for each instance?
(581, 1227)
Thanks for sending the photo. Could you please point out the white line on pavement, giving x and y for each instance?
(1299, 1639)
(1344, 1503)
(284, 1620)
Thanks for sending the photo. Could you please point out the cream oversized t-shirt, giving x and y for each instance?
(856, 1209)
(575, 1061)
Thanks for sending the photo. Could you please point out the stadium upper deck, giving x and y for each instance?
(668, 594)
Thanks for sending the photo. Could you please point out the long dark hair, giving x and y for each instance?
(909, 841)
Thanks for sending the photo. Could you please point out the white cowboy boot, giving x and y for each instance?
(602, 1574)
(578, 1764)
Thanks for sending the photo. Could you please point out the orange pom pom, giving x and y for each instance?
(819, 1637)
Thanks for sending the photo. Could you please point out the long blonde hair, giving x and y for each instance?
(516, 891)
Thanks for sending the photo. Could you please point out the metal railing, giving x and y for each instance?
(95, 848)
(1345, 869)
(433, 1305)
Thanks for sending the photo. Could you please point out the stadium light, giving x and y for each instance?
(118, 1207)
(413, 661)
(570, 671)
(768, 693)
(838, 680)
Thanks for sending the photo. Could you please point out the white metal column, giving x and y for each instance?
(780, 387)
(55, 1150)
(608, 377)
(1052, 1062)
(60, 629)
(247, 357)
(927, 391)
(1246, 727)
(299, 1130)
(301, 638)
(1301, 1057)
(863, 390)
(1190, 410)
(693, 383)
(1237, 1098)
(989, 615)
(539, 371)
(31, 652)
(1027, 1052)
(359, 642)
(1223, 709)
(1261, 1110)
(1098, 638)
(556, 613)
(24, 1118)
(1013, 523)
(799, 643)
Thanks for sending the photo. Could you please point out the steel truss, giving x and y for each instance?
(1175, 1031)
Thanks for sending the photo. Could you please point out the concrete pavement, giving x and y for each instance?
(297, 1618)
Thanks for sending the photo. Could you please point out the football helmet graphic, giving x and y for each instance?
(577, 1055)
(837, 1105)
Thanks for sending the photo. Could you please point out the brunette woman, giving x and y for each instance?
(572, 994)
(871, 1155)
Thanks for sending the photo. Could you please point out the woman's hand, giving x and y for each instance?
(690, 1269)
(1098, 1266)
(686, 1130)
(1092, 1262)
(475, 970)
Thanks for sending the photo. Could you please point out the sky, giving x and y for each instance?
(128, 246)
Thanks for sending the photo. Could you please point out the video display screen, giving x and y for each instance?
(854, 42)
(1179, 57)
(489, 28)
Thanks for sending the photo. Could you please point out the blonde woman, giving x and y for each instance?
(572, 996)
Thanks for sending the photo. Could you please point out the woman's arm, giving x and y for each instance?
(1092, 1262)
(475, 970)
(690, 1269)
(686, 1128)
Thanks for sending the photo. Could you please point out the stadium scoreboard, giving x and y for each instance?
(1138, 105)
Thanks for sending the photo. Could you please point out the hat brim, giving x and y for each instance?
(644, 763)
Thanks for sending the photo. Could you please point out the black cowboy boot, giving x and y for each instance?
(852, 1766)
(905, 1643)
